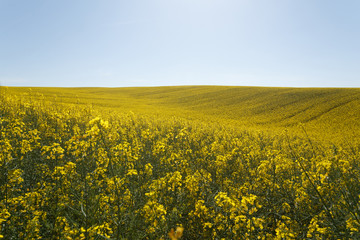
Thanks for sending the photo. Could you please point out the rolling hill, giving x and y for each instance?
(211, 162)
(324, 113)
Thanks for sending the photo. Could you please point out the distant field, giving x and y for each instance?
(192, 162)
(330, 114)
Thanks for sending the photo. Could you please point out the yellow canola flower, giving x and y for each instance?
(93, 121)
(177, 234)
(208, 225)
(132, 172)
(104, 124)
(148, 169)
(69, 166)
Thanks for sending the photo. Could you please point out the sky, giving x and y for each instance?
(122, 43)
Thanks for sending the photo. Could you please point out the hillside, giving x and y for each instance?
(325, 113)
(210, 162)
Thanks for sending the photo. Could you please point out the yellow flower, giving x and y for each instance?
(177, 234)
(132, 172)
(208, 225)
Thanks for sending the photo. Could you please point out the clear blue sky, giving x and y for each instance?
(117, 43)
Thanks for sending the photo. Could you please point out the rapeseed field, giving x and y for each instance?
(195, 162)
